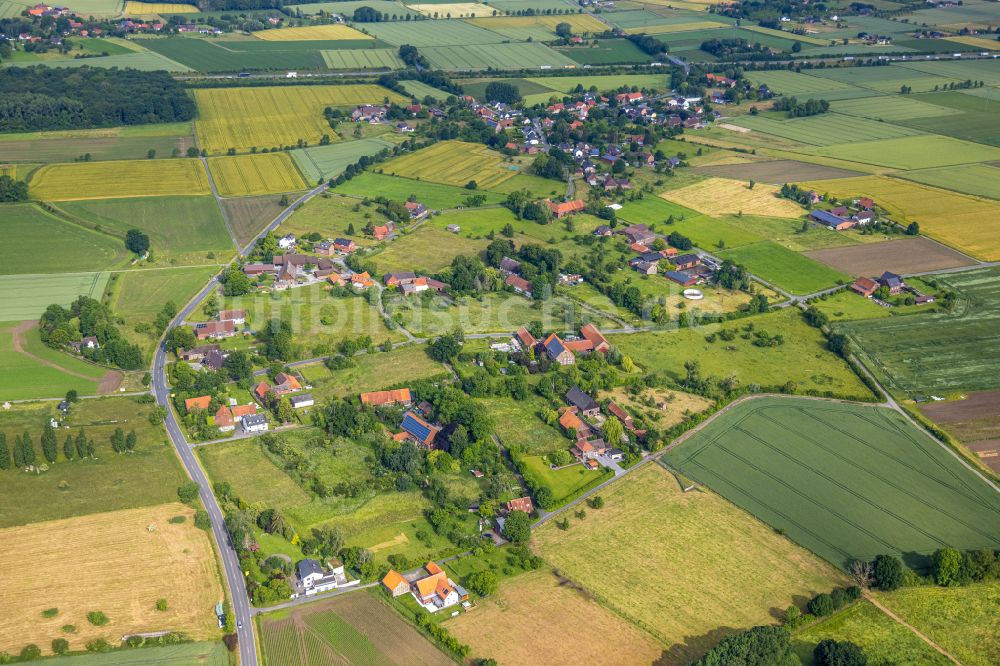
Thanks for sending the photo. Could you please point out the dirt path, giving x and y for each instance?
(875, 602)
(109, 383)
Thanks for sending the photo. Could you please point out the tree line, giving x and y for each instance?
(22, 454)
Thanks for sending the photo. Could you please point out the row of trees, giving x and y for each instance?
(21, 453)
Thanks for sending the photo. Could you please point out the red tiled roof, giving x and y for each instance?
(379, 398)
(201, 402)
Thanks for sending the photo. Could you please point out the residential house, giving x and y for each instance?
(603, 230)
(685, 261)
(622, 415)
(196, 354)
(644, 267)
(362, 280)
(563, 208)
(398, 279)
(235, 316)
(315, 580)
(583, 402)
(831, 220)
(639, 233)
(866, 203)
(418, 211)
(336, 279)
(864, 217)
(892, 281)
(557, 351)
(201, 402)
(571, 422)
(369, 113)
(301, 401)
(524, 339)
(325, 248)
(586, 449)
(596, 338)
(254, 423)
(436, 591)
(215, 330)
(508, 265)
(629, 98)
(419, 430)
(286, 383)
(224, 419)
(261, 390)
(570, 279)
(241, 411)
(518, 284)
(520, 504)
(90, 342)
(400, 396)
(864, 286)
(344, 245)
(616, 455)
(415, 286)
(213, 360)
(256, 269)
(384, 231)
(395, 583)
(286, 242)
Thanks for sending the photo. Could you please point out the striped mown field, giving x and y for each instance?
(263, 173)
(362, 59)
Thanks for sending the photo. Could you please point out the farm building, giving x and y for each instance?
(518, 284)
(520, 504)
(831, 220)
(864, 286)
(583, 402)
(235, 316)
(524, 339)
(892, 281)
(215, 330)
(395, 583)
(420, 431)
(201, 402)
(564, 208)
(392, 397)
(639, 233)
(681, 278)
(686, 261)
(436, 591)
(303, 400)
(557, 350)
(570, 421)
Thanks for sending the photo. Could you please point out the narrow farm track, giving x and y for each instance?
(218, 201)
(109, 383)
(895, 618)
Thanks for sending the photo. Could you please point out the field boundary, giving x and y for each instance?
(108, 383)
(897, 619)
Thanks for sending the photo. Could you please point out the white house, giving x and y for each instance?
(315, 580)
(302, 400)
(254, 423)
(287, 242)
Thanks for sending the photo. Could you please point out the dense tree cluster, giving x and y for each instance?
(87, 317)
(770, 646)
(12, 190)
(501, 91)
(648, 44)
(797, 109)
(47, 98)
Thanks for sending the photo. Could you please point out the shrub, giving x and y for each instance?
(201, 520)
(946, 566)
(50, 612)
(483, 583)
(888, 573)
(853, 592)
(98, 645)
(840, 598)
(188, 492)
(97, 618)
(60, 645)
(30, 652)
(69, 628)
(177, 520)
(821, 605)
(838, 653)
(232, 641)
(161, 605)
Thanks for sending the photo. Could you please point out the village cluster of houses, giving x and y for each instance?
(893, 283)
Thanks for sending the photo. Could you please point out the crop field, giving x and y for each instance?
(247, 175)
(804, 39)
(373, 372)
(776, 172)
(347, 7)
(938, 353)
(803, 359)
(884, 640)
(605, 52)
(103, 180)
(719, 196)
(898, 256)
(826, 129)
(218, 55)
(911, 152)
(543, 601)
(805, 86)
(665, 28)
(603, 82)
(330, 161)
(975, 417)
(433, 195)
(845, 481)
(105, 144)
(421, 90)
(654, 536)
(975, 179)
(332, 32)
(426, 250)
(352, 629)
(181, 229)
(68, 247)
(362, 59)
(433, 33)
(26, 296)
(510, 25)
(201, 653)
(242, 118)
(969, 224)
(149, 8)
(783, 267)
(447, 9)
(146, 61)
(248, 216)
(453, 163)
(498, 56)
(960, 619)
(889, 108)
(642, 17)
(94, 554)
(885, 79)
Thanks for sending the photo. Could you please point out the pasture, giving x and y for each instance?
(845, 481)
(939, 352)
(104, 180)
(68, 247)
(453, 163)
(425, 250)
(433, 195)
(606, 52)
(784, 268)
(356, 628)
(332, 215)
(230, 55)
(802, 360)
(656, 537)
(322, 162)
(93, 555)
(146, 61)
(26, 296)
(553, 608)
(373, 372)
(719, 196)
(420, 90)
(969, 224)
(248, 175)
(805, 86)
(826, 129)
(676, 405)
(181, 229)
(520, 55)
(242, 118)
(355, 59)
(911, 152)
(845, 305)
(911, 255)
(35, 371)
(889, 108)
(307, 33)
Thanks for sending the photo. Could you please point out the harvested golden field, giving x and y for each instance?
(109, 562)
(248, 175)
(579, 22)
(311, 33)
(968, 223)
(127, 178)
(554, 609)
(272, 117)
(720, 196)
(148, 8)
(689, 568)
(675, 27)
(453, 163)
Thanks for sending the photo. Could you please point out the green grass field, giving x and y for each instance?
(889, 108)
(802, 359)
(426, 250)
(435, 196)
(355, 59)
(68, 247)
(331, 215)
(146, 61)
(565, 484)
(28, 377)
(825, 129)
(607, 52)
(975, 179)
(27, 296)
(182, 230)
(845, 305)
(938, 352)
(373, 372)
(214, 55)
(185, 654)
(520, 427)
(110, 482)
(330, 161)
(785, 268)
(845, 481)
(912, 152)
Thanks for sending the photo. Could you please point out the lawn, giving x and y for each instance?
(961, 620)
(712, 233)
(653, 209)
(938, 352)
(784, 268)
(182, 230)
(27, 296)
(802, 360)
(247, 175)
(433, 195)
(883, 640)
(565, 484)
(104, 180)
(356, 628)
(845, 481)
(544, 601)
(111, 482)
(453, 163)
(46, 373)
(372, 372)
(94, 554)
(719, 196)
(68, 247)
(845, 305)
(323, 162)
(969, 224)
(654, 536)
(272, 117)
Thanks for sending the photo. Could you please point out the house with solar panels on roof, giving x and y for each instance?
(419, 431)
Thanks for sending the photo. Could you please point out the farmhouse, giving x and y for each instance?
(564, 208)
(557, 351)
(395, 583)
(362, 280)
(301, 401)
(420, 431)
(215, 330)
(518, 284)
(392, 397)
(198, 354)
(524, 339)
(384, 231)
(583, 402)
(520, 504)
(622, 415)
(685, 261)
(417, 211)
(241, 411)
(508, 265)
(644, 267)
(254, 423)
(436, 591)
(591, 340)
(398, 279)
(224, 419)
(572, 423)
(585, 449)
(344, 245)
(682, 278)
(639, 233)
(894, 283)
(201, 402)
(864, 286)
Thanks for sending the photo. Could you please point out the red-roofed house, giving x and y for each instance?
(393, 397)
(518, 284)
(224, 419)
(201, 402)
(600, 343)
(520, 504)
(864, 286)
(261, 390)
(564, 208)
